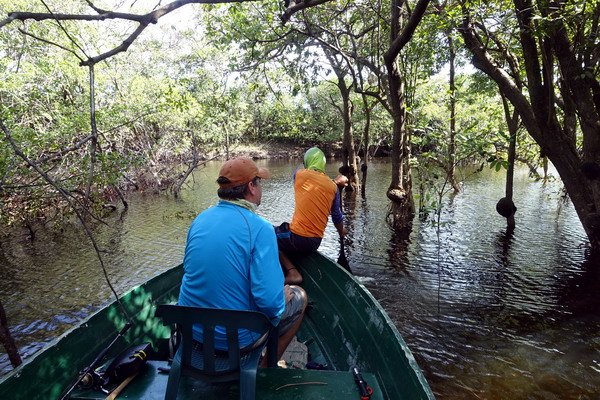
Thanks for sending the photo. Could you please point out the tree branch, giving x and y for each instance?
(50, 42)
(60, 153)
(407, 32)
(293, 8)
(142, 19)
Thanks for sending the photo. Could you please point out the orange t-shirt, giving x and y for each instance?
(314, 193)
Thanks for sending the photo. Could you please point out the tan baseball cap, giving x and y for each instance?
(239, 171)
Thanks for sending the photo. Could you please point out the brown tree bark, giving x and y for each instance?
(512, 121)
(451, 167)
(7, 340)
(349, 164)
(365, 140)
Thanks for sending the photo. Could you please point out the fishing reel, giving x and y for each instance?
(93, 380)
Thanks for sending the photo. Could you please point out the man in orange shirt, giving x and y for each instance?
(316, 197)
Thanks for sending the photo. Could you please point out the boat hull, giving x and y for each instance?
(344, 327)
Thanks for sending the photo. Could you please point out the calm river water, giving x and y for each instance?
(487, 316)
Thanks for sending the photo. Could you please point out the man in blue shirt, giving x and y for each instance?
(231, 259)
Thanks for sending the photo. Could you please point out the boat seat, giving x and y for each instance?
(271, 384)
(208, 364)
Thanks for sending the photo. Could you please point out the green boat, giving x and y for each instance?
(344, 327)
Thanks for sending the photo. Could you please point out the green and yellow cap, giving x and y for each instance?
(314, 159)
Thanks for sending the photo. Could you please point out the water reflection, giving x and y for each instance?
(488, 313)
(398, 253)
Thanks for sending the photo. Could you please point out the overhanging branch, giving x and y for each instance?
(142, 19)
(294, 7)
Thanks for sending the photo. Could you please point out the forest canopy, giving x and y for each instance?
(100, 98)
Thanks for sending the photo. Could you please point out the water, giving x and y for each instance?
(487, 315)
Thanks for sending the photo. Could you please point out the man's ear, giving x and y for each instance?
(252, 187)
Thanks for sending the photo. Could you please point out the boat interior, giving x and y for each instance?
(306, 371)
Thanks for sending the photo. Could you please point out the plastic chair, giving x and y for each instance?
(212, 365)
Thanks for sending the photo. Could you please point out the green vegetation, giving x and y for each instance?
(99, 98)
(94, 103)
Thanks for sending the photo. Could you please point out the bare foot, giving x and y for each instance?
(293, 277)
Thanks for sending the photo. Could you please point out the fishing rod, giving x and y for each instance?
(342, 260)
(89, 376)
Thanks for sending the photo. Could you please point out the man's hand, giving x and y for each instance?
(342, 231)
(341, 181)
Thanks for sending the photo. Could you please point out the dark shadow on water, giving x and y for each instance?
(349, 207)
(504, 240)
(398, 252)
(581, 294)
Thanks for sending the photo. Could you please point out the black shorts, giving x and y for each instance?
(289, 242)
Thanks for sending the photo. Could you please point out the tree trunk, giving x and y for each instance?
(7, 340)
(538, 109)
(350, 166)
(451, 167)
(400, 191)
(226, 141)
(512, 123)
(365, 161)
(402, 210)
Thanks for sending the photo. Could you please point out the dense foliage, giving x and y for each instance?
(156, 109)
(206, 79)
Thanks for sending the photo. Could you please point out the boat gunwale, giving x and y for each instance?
(85, 322)
(418, 378)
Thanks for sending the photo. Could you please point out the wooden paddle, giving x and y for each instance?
(113, 395)
(342, 260)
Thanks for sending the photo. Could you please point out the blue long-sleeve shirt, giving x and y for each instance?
(337, 215)
(231, 261)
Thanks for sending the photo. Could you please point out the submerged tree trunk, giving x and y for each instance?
(513, 124)
(451, 166)
(349, 166)
(7, 340)
(402, 209)
(365, 140)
